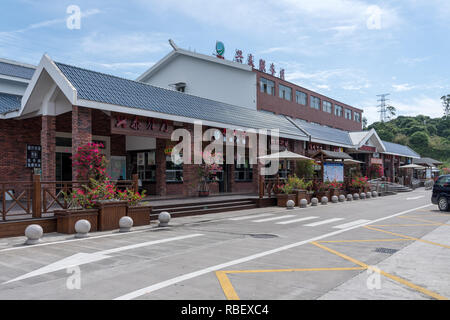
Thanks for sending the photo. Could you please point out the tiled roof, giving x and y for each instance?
(99, 87)
(13, 70)
(400, 150)
(9, 103)
(320, 132)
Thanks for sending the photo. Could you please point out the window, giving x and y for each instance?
(327, 106)
(267, 86)
(443, 182)
(348, 114)
(243, 172)
(337, 110)
(284, 92)
(357, 117)
(174, 172)
(300, 97)
(315, 103)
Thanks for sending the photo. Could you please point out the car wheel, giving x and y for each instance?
(443, 204)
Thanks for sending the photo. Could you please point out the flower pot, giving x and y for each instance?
(66, 219)
(282, 199)
(110, 213)
(139, 214)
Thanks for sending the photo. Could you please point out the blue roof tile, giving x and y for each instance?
(320, 132)
(9, 103)
(400, 150)
(14, 70)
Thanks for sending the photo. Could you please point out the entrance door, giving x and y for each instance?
(63, 166)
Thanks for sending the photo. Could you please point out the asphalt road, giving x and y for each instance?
(393, 247)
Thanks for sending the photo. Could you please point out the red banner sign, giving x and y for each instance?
(141, 126)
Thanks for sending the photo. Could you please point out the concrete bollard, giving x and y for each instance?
(290, 204)
(164, 218)
(324, 201)
(362, 195)
(125, 224)
(349, 197)
(303, 203)
(374, 194)
(34, 233)
(368, 195)
(82, 228)
(341, 198)
(314, 202)
(334, 199)
(356, 196)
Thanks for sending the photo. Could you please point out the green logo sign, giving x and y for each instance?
(220, 48)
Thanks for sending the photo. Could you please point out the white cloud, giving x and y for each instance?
(402, 87)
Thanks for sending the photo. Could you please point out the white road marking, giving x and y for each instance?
(415, 198)
(273, 219)
(188, 276)
(84, 258)
(351, 224)
(297, 220)
(251, 217)
(323, 222)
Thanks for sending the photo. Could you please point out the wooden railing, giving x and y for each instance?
(37, 197)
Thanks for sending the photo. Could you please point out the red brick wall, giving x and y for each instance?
(14, 137)
(293, 109)
(48, 143)
(81, 129)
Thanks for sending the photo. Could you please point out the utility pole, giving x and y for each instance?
(382, 106)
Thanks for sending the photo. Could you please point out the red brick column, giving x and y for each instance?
(81, 130)
(48, 143)
(160, 156)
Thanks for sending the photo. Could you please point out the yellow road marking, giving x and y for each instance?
(388, 275)
(408, 237)
(368, 240)
(428, 215)
(406, 225)
(231, 294)
(424, 220)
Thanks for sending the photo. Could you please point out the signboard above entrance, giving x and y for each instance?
(141, 126)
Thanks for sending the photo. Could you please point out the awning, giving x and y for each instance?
(332, 155)
(285, 155)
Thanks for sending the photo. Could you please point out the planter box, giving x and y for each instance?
(309, 196)
(282, 199)
(109, 214)
(139, 214)
(319, 195)
(299, 195)
(333, 192)
(66, 219)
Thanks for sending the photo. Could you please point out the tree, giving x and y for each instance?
(446, 104)
(419, 141)
(364, 122)
(391, 112)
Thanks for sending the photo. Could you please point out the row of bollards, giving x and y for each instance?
(290, 204)
(34, 232)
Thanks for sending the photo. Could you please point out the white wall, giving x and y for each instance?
(140, 143)
(208, 80)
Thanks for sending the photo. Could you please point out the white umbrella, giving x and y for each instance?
(351, 161)
(285, 155)
(412, 166)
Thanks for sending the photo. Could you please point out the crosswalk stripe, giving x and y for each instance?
(323, 222)
(251, 217)
(273, 219)
(351, 224)
(296, 220)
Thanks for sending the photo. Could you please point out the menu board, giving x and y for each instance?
(34, 154)
(333, 171)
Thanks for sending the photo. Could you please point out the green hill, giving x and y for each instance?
(428, 137)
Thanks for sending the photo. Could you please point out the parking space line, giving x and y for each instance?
(273, 219)
(297, 220)
(388, 275)
(252, 217)
(351, 224)
(408, 237)
(323, 222)
(226, 285)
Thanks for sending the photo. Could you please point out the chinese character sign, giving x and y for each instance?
(272, 69)
(238, 57)
(250, 60)
(282, 74)
(262, 65)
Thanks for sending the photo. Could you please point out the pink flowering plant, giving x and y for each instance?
(91, 165)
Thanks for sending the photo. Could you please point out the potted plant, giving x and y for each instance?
(334, 188)
(320, 190)
(300, 188)
(207, 173)
(359, 184)
(285, 195)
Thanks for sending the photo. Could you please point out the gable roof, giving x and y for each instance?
(322, 133)
(15, 69)
(398, 149)
(427, 161)
(9, 103)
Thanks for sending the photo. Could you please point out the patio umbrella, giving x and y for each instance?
(351, 161)
(412, 166)
(285, 155)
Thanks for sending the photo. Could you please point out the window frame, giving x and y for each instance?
(301, 94)
(264, 86)
(283, 89)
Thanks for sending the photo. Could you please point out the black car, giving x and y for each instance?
(441, 193)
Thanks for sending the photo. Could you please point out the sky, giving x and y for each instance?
(349, 50)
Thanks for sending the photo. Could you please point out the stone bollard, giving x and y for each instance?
(290, 204)
(334, 199)
(368, 195)
(125, 224)
(164, 218)
(324, 201)
(82, 228)
(356, 196)
(374, 194)
(349, 197)
(34, 234)
(362, 195)
(303, 203)
(314, 202)
(341, 198)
